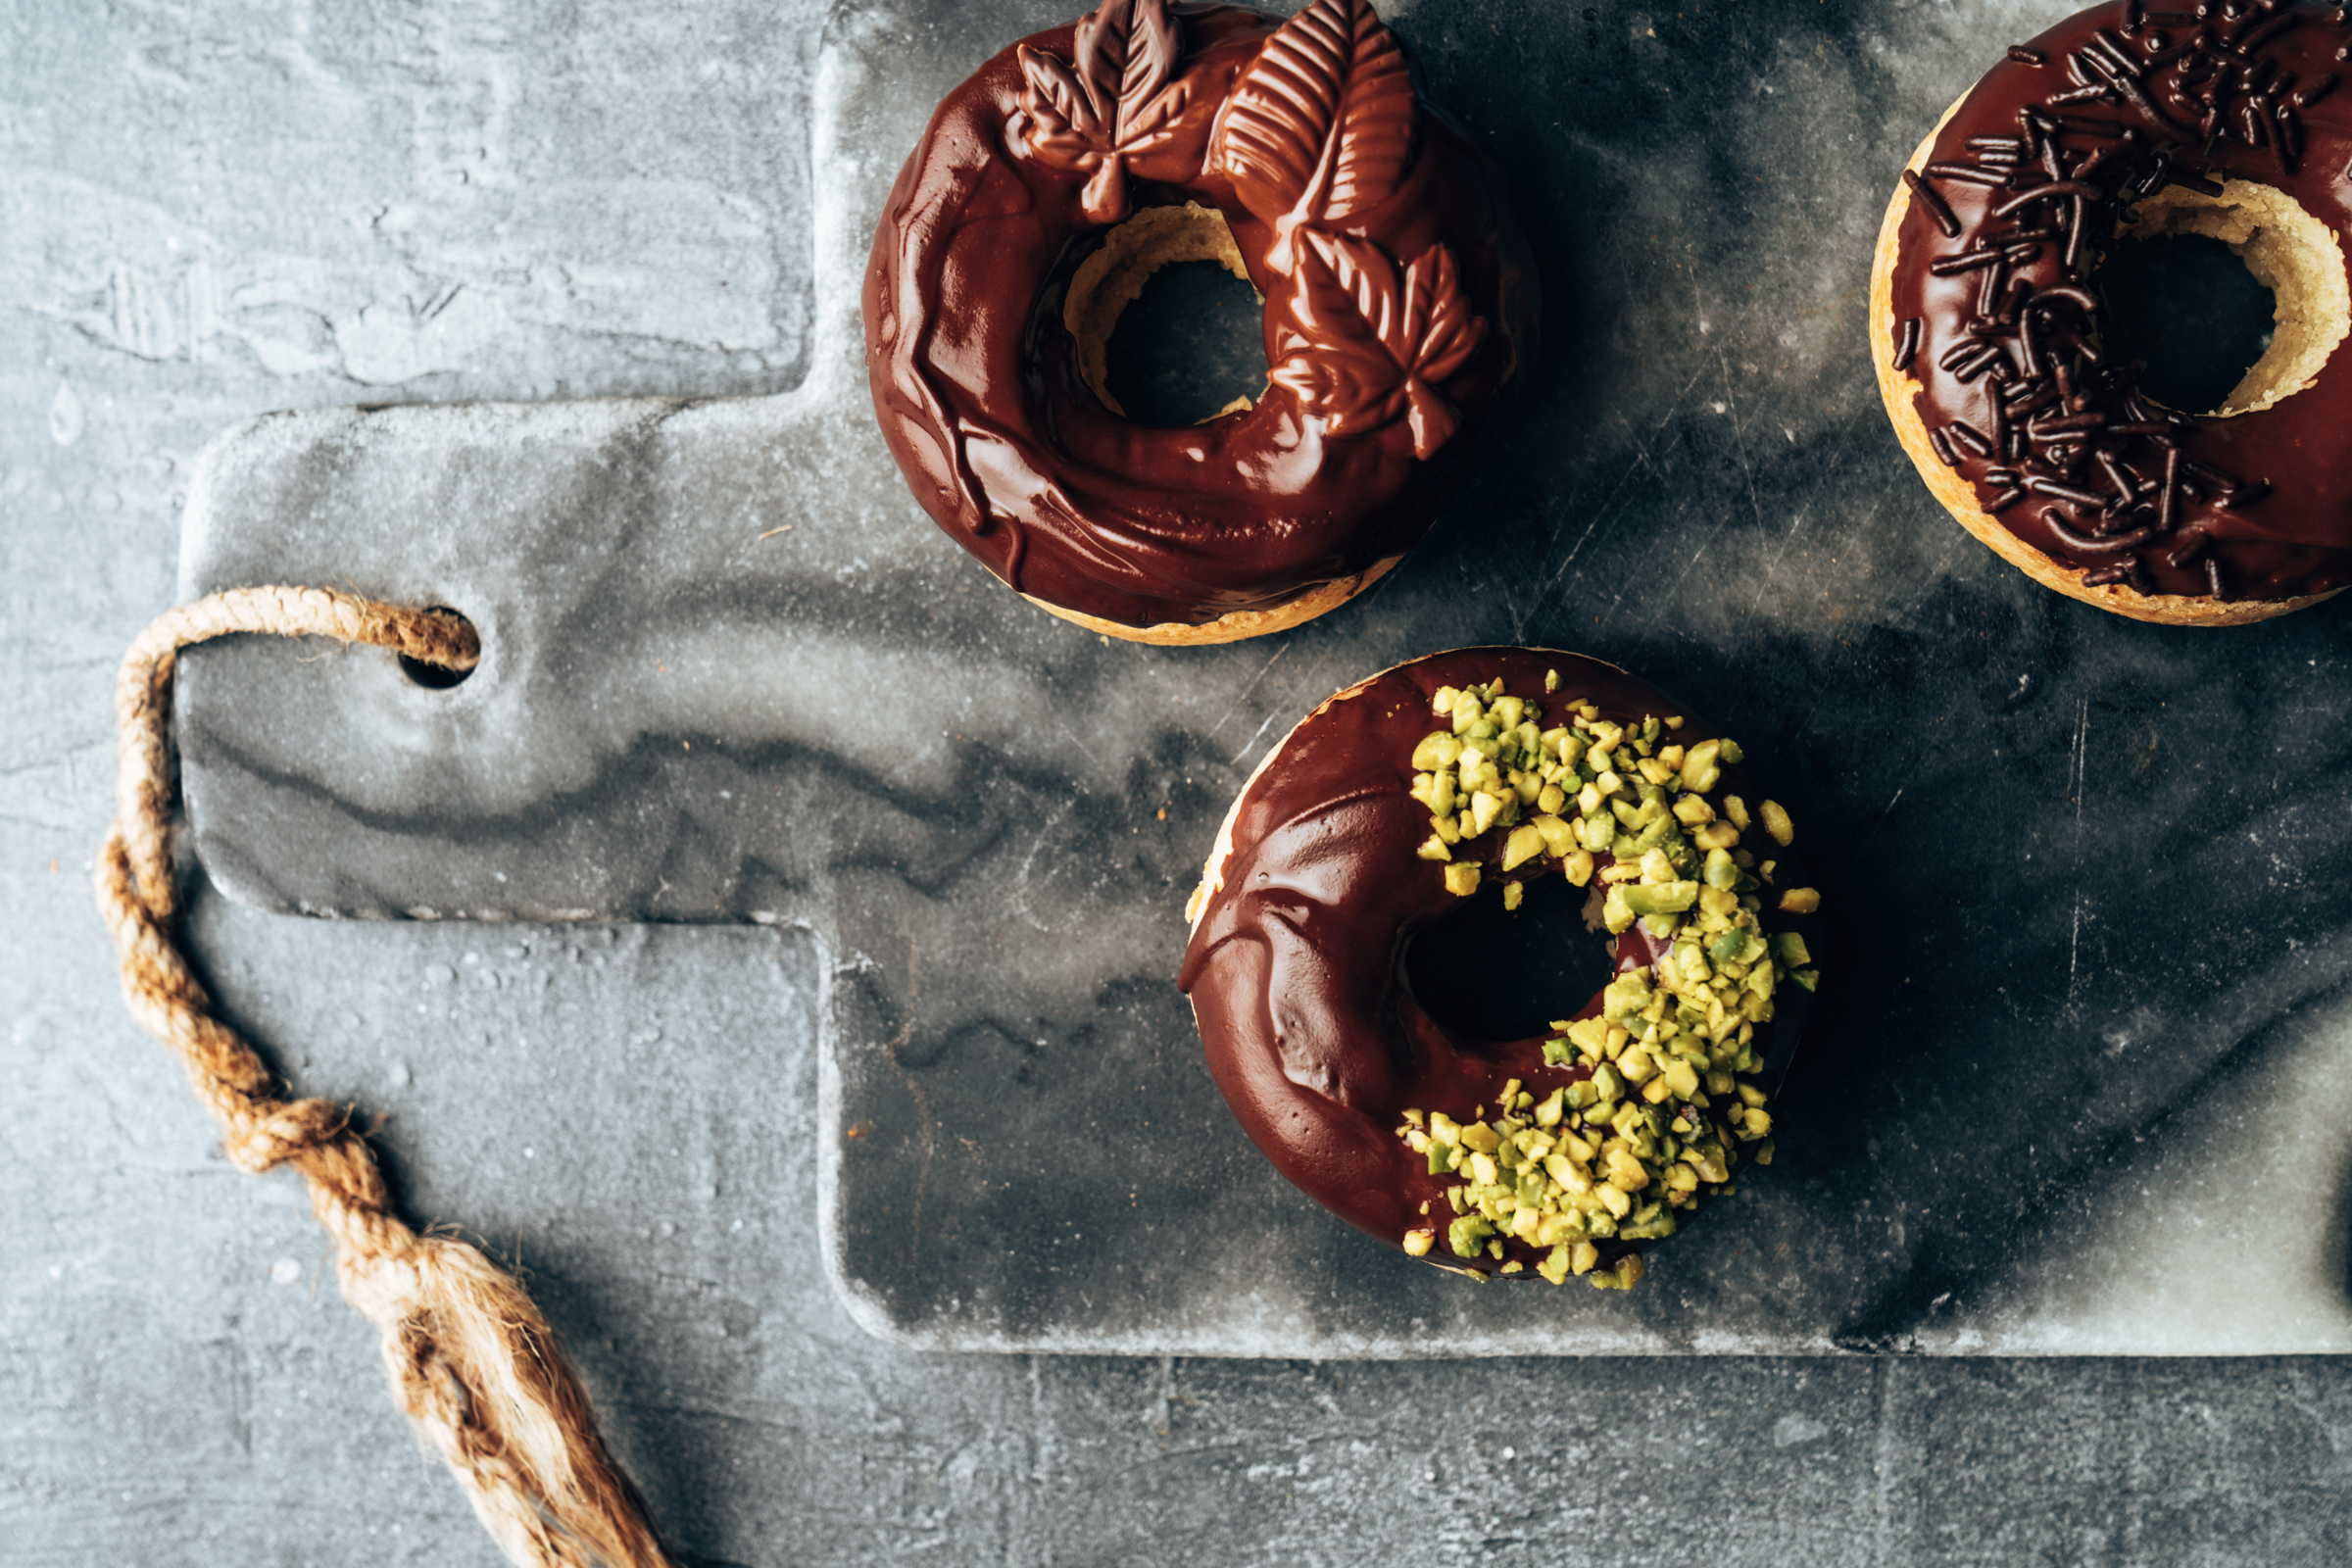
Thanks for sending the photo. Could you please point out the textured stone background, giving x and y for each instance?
(213, 209)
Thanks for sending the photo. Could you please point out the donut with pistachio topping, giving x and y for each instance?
(2222, 118)
(1466, 775)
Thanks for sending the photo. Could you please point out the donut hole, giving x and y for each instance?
(1487, 975)
(1168, 328)
(2186, 307)
(2182, 312)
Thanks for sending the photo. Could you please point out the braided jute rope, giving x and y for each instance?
(471, 1358)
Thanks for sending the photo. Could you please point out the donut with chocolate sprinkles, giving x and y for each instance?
(2132, 122)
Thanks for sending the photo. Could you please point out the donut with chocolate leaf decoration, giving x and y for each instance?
(1400, 804)
(1989, 323)
(1400, 304)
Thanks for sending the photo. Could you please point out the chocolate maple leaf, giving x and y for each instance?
(1373, 343)
(1117, 99)
(1320, 125)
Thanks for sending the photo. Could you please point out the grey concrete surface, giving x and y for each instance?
(212, 210)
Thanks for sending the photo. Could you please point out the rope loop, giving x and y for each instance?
(471, 1361)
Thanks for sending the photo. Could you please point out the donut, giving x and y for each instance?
(2227, 120)
(1396, 805)
(1399, 303)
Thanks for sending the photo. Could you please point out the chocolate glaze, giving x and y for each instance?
(1342, 461)
(1296, 967)
(2096, 112)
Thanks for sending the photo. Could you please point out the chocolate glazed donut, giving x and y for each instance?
(1316, 885)
(1400, 302)
(2225, 118)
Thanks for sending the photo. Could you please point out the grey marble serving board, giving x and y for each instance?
(2078, 1078)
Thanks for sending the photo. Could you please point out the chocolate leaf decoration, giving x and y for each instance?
(1352, 394)
(1372, 343)
(1064, 127)
(1127, 50)
(1320, 125)
(1118, 99)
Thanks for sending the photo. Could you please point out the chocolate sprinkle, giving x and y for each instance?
(1907, 347)
(2061, 491)
(1969, 175)
(2042, 193)
(2081, 545)
(1964, 261)
(1933, 202)
(2026, 56)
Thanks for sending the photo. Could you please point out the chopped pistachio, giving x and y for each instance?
(1485, 808)
(1800, 900)
(1646, 1102)
(1777, 823)
(1465, 1236)
(1437, 750)
(1659, 898)
(1558, 838)
(1700, 772)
